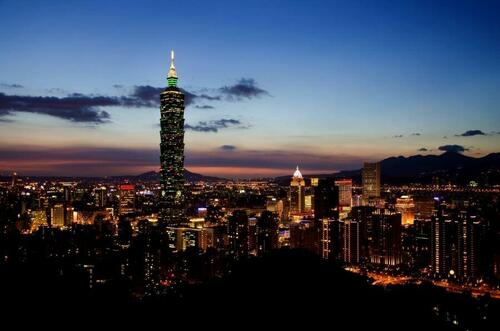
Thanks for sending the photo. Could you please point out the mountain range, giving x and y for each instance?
(447, 167)
(188, 175)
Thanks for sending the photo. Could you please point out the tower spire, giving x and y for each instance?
(172, 73)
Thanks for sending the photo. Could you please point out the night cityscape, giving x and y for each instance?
(329, 164)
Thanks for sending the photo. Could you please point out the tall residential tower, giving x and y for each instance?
(172, 151)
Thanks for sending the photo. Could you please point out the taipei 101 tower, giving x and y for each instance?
(171, 207)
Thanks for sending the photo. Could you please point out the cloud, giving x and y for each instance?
(147, 95)
(423, 149)
(244, 88)
(11, 85)
(453, 148)
(204, 107)
(228, 147)
(416, 134)
(150, 96)
(75, 107)
(398, 136)
(471, 133)
(80, 108)
(215, 125)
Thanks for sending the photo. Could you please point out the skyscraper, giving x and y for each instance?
(456, 244)
(385, 246)
(351, 241)
(57, 215)
(371, 180)
(100, 197)
(237, 229)
(172, 151)
(127, 199)
(297, 193)
(345, 192)
(406, 207)
(267, 232)
(326, 199)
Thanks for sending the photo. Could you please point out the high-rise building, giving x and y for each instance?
(237, 229)
(14, 179)
(345, 192)
(371, 180)
(441, 243)
(351, 242)
(406, 207)
(385, 246)
(172, 152)
(267, 232)
(252, 236)
(326, 199)
(297, 193)
(68, 194)
(57, 213)
(304, 235)
(100, 195)
(127, 198)
(456, 245)
(470, 235)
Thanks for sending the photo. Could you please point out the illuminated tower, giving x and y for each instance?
(172, 151)
(297, 193)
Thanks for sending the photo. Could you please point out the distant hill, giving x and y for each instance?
(449, 166)
(188, 175)
(150, 176)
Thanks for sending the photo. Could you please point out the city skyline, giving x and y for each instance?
(267, 86)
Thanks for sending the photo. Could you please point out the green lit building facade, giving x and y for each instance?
(172, 210)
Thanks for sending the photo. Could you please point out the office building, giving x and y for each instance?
(371, 181)
(127, 198)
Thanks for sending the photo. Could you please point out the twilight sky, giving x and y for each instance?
(270, 84)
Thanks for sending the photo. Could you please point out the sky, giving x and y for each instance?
(269, 85)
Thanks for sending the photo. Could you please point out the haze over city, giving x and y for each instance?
(268, 84)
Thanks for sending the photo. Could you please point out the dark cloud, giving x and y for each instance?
(147, 95)
(150, 96)
(215, 125)
(453, 148)
(416, 134)
(82, 108)
(228, 147)
(398, 136)
(423, 149)
(244, 88)
(75, 107)
(11, 85)
(471, 133)
(204, 107)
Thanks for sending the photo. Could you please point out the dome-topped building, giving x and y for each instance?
(297, 193)
(297, 173)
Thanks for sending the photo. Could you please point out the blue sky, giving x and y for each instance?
(340, 81)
